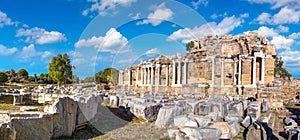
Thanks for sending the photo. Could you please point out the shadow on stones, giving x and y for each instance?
(107, 119)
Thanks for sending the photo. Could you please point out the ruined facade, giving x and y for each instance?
(215, 65)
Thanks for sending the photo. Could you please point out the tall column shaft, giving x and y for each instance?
(152, 75)
(254, 71)
(167, 75)
(148, 75)
(158, 75)
(179, 73)
(263, 70)
(222, 73)
(213, 72)
(173, 73)
(185, 73)
(240, 72)
(137, 76)
(129, 77)
(234, 73)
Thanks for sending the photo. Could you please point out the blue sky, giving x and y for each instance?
(118, 33)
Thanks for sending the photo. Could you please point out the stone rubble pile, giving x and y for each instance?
(194, 117)
(57, 120)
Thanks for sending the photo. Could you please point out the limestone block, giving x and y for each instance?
(254, 109)
(87, 108)
(191, 133)
(256, 131)
(233, 115)
(28, 108)
(203, 121)
(224, 127)
(114, 100)
(293, 134)
(147, 111)
(264, 106)
(210, 133)
(64, 118)
(185, 121)
(7, 131)
(248, 120)
(33, 128)
(166, 115)
(234, 128)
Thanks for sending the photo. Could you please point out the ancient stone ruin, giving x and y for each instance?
(215, 65)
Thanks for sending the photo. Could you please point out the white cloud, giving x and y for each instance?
(7, 51)
(113, 42)
(295, 35)
(4, 20)
(214, 16)
(159, 14)
(279, 3)
(282, 42)
(152, 52)
(284, 16)
(29, 52)
(225, 26)
(103, 6)
(135, 17)
(196, 4)
(289, 58)
(283, 29)
(41, 36)
(264, 18)
(266, 31)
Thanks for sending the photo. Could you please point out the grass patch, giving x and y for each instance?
(11, 107)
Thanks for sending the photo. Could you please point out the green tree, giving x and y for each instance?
(279, 69)
(12, 76)
(23, 75)
(60, 69)
(189, 46)
(108, 76)
(3, 77)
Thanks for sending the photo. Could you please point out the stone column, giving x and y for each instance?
(234, 73)
(179, 74)
(254, 71)
(167, 75)
(148, 75)
(158, 75)
(137, 76)
(213, 72)
(152, 75)
(142, 75)
(263, 70)
(240, 71)
(173, 74)
(222, 73)
(129, 77)
(185, 73)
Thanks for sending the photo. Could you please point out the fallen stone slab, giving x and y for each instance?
(64, 118)
(185, 121)
(40, 128)
(224, 128)
(254, 109)
(167, 114)
(7, 131)
(28, 108)
(256, 132)
(248, 120)
(147, 111)
(234, 128)
(210, 133)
